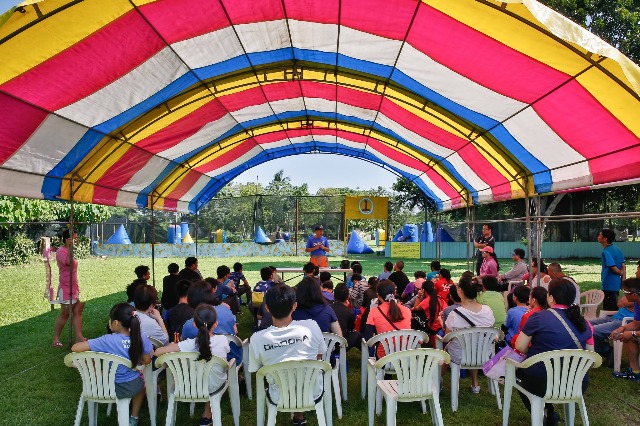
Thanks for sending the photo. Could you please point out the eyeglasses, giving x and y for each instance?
(629, 292)
(513, 254)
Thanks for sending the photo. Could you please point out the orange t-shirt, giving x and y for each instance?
(381, 324)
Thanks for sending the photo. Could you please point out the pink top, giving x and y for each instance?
(489, 267)
(62, 257)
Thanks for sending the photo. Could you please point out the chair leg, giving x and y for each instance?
(79, 412)
(435, 409)
(455, 385)
(491, 389)
(617, 355)
(192, 408)
(247, 381)
(569, 413)
(336, 390)
(92, 409)
(363, 370)
(109, 408)
(371, 404)
(320, 414)
(171, 410)
(123, 411)
(494, 385)
(423, 405)
(272, 413)
(343, 375)
(152, 398)
(537, 411)
(508, 390)
(392, 407)
(583, 412)
(216, 412)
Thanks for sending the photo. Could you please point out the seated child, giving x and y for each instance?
(514, 315)
(304, 341)
(125, 341)
(207, 345)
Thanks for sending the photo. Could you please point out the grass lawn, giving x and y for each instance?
(36, 387)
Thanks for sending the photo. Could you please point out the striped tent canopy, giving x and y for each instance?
(159, 104)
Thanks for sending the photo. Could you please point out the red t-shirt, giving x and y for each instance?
(437, 324)
(442, 287)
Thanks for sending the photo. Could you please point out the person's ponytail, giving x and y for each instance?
(564, 293)
(135, 348)
(126, 315)
(204, 317)
(575, 316)
(386, 290)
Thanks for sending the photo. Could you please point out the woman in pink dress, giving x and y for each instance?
(67, 291)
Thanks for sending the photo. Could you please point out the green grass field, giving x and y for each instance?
(36, 387)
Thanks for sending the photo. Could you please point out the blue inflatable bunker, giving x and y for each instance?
(119, 237)
(357, 245)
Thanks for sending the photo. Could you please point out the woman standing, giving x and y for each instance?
(552, 329)
(68, 285)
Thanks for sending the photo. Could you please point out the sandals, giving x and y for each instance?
(57, 345)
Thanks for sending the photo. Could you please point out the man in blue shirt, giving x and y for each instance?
(318, 246)
(630, 332)
(613, 269)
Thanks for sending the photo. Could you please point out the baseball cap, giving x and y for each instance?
(319, 227)
(488, 249)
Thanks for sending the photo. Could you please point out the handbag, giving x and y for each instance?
(496, 367)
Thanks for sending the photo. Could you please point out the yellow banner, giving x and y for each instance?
(366, 208)
(405, 250)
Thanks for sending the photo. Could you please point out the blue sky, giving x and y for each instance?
(322, 171)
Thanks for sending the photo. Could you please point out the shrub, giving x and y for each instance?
(17, 250)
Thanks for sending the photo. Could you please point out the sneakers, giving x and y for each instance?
(204, 421)
(133, 421)
(475, 389)
(627, 374)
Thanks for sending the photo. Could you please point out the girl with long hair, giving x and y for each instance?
(490, 265)
(68, 290)
(388, 315)
(312, 305)
(125, 341)
(207, 345)
(432, 304)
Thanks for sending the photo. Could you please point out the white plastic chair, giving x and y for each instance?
(391, 341)
(98, 372)
(331, 340)
(592, 299)
(418, 372)
(478, 346)
(617, 347)
(188, 381)
(297, 383)
(244, 365)
(565, 372)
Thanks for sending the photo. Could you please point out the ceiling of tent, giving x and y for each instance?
(162, 103)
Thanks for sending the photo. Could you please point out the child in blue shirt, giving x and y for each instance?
(237, 276)
(259, 291)
(127, 342)
(514, 315)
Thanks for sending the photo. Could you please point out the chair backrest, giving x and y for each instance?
(592, 298)
(155, 342)
(399, 340)
(331, 340)
(565, 371)
(296, 380)
(231, 338)
(417, 371)
(477, 344)
(98, 372)
(190, 375)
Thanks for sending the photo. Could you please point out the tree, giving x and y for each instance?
(615, 21)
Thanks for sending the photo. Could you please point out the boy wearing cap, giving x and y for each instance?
(318, 246)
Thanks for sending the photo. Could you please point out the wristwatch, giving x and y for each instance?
(633, 333)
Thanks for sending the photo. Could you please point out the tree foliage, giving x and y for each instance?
(615, 21)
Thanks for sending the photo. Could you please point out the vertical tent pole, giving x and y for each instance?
(527, 202)
(539, 234)
(438, 234)
(70, 255)
(196, 230)
(153, 243)
(468, 233)
(297, 223)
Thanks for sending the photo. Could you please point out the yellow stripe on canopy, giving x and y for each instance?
(54, 34)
